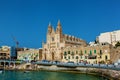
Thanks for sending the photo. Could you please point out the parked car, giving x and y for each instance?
(33, 61)
(55, 62)
(45, 61)
(70, 62)
(111, 65)
(103, 65)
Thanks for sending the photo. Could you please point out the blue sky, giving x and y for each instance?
(27, 20)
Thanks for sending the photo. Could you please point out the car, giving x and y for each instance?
(33, 61)
(45, 61)
(55, 62)
(70, 62)
(111, 65)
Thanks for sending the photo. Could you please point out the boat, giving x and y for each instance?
(26, 71)
(1, 71)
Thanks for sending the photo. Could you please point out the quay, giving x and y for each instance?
(105, 70)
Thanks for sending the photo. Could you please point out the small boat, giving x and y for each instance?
(1, 70)
(26, 71)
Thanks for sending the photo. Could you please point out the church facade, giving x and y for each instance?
(56, 42)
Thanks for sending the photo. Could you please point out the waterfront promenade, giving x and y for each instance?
(61, 64)
(111, 71)
(108, 70)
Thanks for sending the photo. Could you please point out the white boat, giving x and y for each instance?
(1, 70)
(26, 71)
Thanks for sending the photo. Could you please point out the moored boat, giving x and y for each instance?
(1, 70)
(26, 71)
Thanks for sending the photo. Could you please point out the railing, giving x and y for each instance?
(102, 66)
(11, 61)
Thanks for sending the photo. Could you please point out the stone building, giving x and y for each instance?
(109, 37)
(115, 54)
(56, 42)
(88, 54)
(28, 55)
(5, 52)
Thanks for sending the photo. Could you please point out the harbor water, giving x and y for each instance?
(45, 75)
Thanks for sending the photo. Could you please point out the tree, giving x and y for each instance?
(117, 44)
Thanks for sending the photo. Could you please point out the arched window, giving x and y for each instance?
(65, 53)
(90, 52)
(100, 52)
(94, 51)
(76, 57)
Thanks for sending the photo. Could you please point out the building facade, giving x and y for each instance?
(109, 37)
(28, 55)
(115, 54)
(56, 42)
(88, 54)
(5, 52)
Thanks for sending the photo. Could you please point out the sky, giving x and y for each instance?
(26, 21)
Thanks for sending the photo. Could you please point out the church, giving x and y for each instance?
(56, 42)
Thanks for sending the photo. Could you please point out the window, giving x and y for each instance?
(100, 52)
(52, 38)
(72, 53)
(65, 57)
(76, 57)
(68, 52)
(65, 53)
(85, 51)
(100, 56)
(106, 57)
(85, 57)
(94, 51)
(72, 57)
(76, 52)
(68, 57)
(81, 57)
(90, 52)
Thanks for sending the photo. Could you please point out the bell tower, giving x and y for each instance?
(59, 28)
(59, 31)
(49, 28)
